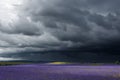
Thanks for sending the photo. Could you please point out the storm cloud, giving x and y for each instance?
(45, 25)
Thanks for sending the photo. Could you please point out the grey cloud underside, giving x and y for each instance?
(62, 24)
(65, 56)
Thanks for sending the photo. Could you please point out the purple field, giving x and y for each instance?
(59, 72)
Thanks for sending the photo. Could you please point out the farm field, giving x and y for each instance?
(59, 72)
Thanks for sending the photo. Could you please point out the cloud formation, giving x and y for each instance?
(42, 25)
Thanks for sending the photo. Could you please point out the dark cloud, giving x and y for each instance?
(67, 20)
(42, 25)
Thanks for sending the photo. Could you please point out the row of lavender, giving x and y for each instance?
(59, 72)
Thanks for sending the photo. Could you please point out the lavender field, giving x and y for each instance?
(59, 72)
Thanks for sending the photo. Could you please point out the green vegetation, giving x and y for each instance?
(7, 63)
(4, 63)
(117, 62)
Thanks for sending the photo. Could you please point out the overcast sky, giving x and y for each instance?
(28, 26)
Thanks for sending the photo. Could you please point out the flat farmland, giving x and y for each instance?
(59, 72)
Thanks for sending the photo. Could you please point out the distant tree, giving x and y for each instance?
(117, 62)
